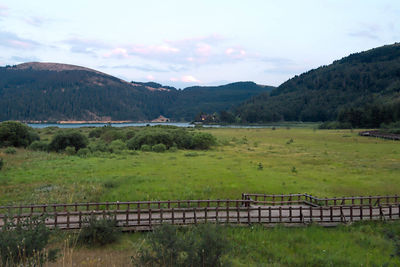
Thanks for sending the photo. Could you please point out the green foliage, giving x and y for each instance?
(1, 164)
(159, 148)
(171, 136)
(117, 146)
(13, 133)
(145, 148)
(10, 150)
(203, 140)
(98, 231)
(70, 150)
(65, 139)
(24, 243)
(39, 146)
(202, 245)
(83, 152)
(98, 146)
(96, 132)
(111, 134)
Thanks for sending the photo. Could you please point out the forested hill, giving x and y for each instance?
(362, 89)
(52, 92)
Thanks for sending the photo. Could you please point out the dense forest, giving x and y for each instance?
(52, 92)
(362, 90)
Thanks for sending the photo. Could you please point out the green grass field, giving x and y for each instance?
(320, 162)
(295, 160)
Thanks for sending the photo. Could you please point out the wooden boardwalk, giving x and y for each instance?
(294, 209)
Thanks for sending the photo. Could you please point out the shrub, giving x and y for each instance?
(98, 231)
(83, 152)
(68, 138)
(111, 134)
(70, 150)
(1, 163)
(99, 145)
(23, 243)
(117, 146)
(10, 150)
(96, 132)
(159, 148)
(146, 148)
(203, 140)
(13, 133)
(203, 245)
(151, 137)
(335, 125)
(39, 146)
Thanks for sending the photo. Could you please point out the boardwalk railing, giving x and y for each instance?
(307, 199)
(252, 208)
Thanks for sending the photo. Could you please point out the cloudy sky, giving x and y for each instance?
(207, 42)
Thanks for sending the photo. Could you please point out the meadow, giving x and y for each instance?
(273, 161)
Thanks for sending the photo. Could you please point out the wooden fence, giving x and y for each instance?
(251, 209)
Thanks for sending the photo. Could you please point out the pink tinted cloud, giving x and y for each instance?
(235, 52)
(189, 79)
(117, 52)
(153, 49)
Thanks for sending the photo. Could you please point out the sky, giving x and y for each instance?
(183, 42)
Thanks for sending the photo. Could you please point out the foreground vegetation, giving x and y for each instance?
(279, 160)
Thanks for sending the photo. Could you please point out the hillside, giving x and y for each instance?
(362, 89)
(51, 92)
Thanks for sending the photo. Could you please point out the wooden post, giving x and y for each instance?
(259, 214)
(290, 213)
(301, 214)
(370, 212)
(183, 215)
(173, 216)
(161, 216)
(238, 212)
(331, 215)
(390, 212)
(80, 219)
(150, 220)
(321, 215)
(351, 213)
(227, 211)
(361, 212)
(216, 212)
(205, 214)
(138, 214)
(248, 214)
(280, 213)
(311, 218)
(269, 214)
(67, 219)
(195, 215)
(55, 219)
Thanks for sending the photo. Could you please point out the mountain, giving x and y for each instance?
(52, 91)
(362, 89)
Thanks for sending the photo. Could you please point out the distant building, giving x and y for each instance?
(161, 118)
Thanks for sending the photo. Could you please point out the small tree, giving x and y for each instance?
(13, 133)
(68, 138)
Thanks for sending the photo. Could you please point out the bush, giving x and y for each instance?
(10, 150)
(83, 152)
(39, 146)
(159, 148)
(13, 133)
(23, 244)
(151, 137)
(68, 138)
(203, 245)
(98, 231)
(111, 134)
(70, 150)
(96, 132)
(203, 140)
(335, 125)
(99, 145)
(145, 148)
(1, 163)
(117, 146)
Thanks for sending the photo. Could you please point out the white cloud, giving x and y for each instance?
(189, 79)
